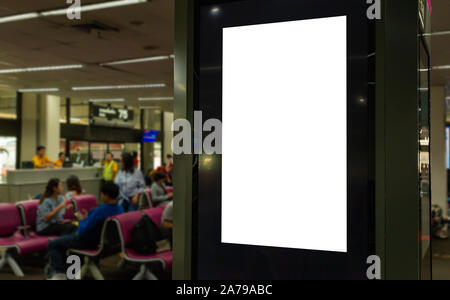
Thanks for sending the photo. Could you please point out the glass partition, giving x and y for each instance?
(134, 148)
(424, 162)
(79, 153)
(116, 150)
(7, 154)
(98, 152)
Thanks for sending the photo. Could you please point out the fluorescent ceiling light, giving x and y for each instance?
(441, 67)
(119, 87)
(38, 69)
(150, 107)
(106, 100)
(39, 90)
(437, 33)
(63, 11)
(156, 99)
(137, 60)
(19, 17)
(90, 7)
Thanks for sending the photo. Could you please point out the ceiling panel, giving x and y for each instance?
(106, 35)
(440, 44)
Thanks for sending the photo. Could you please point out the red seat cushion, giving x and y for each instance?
(165, 257)
(9, 219)
(33, 244)
(26, 245)
(86, 202)
(12, 240)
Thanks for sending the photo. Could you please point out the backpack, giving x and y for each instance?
(144, 236)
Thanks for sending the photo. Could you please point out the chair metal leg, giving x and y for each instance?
(150, 276)
(121, 264)
(95, 271)
(13, 265)
(141, 274)
(91, 267)
(84, 270)
(3, 260)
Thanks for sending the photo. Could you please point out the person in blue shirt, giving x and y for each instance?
(88, 233)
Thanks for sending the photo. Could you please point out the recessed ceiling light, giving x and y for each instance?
(156, 99)
(215, 10)
(63, 11)
(40, 69)
(39, 90)
(118, 87)
(136, 60)
(106, 100)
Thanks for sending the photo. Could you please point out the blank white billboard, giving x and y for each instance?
(284, 158)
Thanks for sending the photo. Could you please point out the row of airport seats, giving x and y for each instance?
(18, 229)
(116, 237)
(18, 237)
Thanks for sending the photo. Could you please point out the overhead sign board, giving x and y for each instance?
(111, 113)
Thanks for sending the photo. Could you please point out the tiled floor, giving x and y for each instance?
(441, 259)
(33, 268)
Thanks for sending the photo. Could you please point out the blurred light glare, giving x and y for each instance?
(215, 10)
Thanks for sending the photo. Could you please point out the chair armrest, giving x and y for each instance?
(23, 227)
(23, 230)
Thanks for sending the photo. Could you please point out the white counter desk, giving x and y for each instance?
(20, 184)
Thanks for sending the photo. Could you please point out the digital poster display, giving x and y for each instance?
(292, 193)
(284, 83)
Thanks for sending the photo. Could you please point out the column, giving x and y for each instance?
(438, 150)
(50, 129)
(29, 127)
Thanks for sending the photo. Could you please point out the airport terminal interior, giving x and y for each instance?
(87, 107)
(103, 85)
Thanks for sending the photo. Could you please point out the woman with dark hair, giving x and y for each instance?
(158, 190)
(73, 187)
(52, 207)
(131, 183)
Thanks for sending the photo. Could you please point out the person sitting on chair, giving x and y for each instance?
(51, 209)
(89, 230)
(158, 190)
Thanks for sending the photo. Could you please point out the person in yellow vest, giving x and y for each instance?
(40, 160)
(59, 163)
(110, 168)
